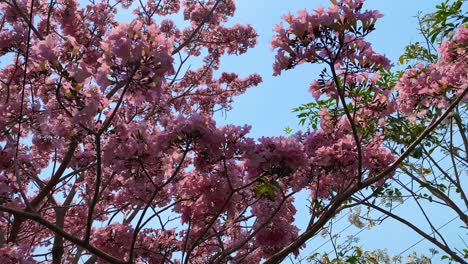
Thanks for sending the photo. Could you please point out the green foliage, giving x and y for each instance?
(266, 187)
(353, 254)
(445, 20)
(436, 27)
(308, 113)
(403, 132)
(416, 52)
(388, 78)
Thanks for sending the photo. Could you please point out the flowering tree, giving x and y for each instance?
(433, 172)
(431, 177)
(110, 152)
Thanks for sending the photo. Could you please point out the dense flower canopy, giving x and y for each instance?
(106, 130)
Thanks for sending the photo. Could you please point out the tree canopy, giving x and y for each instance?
(110, 152)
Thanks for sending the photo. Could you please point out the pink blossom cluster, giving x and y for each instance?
(334, 158)
(114, 239)
(278, 232)
(276, 156)
(151, 245)
(134, 44)
(351, 128)
(13, 254)
(334, 35)
(424, 88)
(7, 188)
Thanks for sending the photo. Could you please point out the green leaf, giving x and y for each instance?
(276, 184)
(402, 59)
(358, 251)
(267, 190)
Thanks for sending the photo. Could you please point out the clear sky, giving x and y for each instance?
(267, 108)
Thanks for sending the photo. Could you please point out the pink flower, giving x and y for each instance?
(46, 49)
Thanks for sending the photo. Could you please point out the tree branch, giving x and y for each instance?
(335, 205)
(38, 219)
